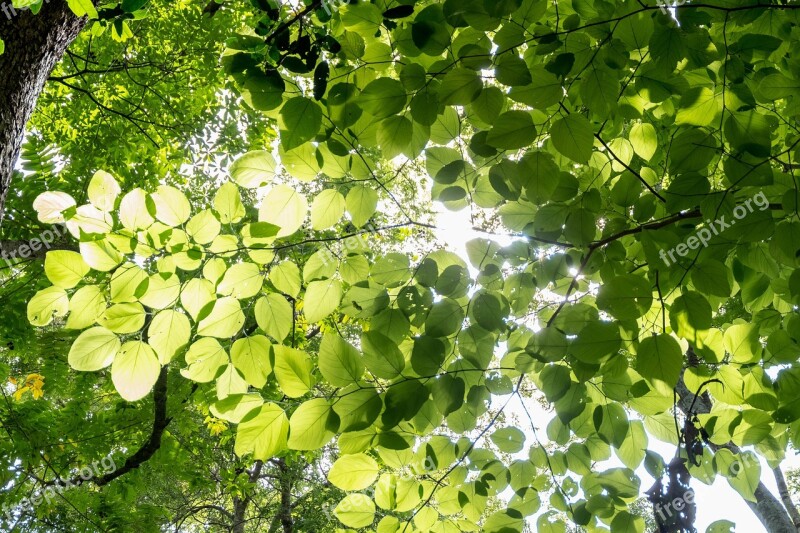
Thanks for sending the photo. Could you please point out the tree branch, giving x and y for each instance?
(145, 452)
(160, 423)
(783, 490)
(288, 24)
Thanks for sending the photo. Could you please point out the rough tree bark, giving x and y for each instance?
(33, 46)
(286, 497)
(768, 509)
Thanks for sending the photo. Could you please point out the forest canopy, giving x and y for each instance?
(230, 301)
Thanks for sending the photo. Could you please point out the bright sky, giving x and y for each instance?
(714, 502)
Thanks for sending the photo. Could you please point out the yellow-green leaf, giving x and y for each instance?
(135, 370)
(94, 349)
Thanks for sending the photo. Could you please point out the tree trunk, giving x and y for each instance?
(768, 509)
(240, 504)
(34, 44)
(286, 497)
(239, 509)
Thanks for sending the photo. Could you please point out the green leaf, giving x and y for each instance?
(85, 306)
(599, 91)
(361, 204)
(445, 318)
(596, 342)
(743, 471)
(509, 440)
(100, 255)
(103, 190)
(83, 8)
(742, 342)
(776, 86)
(129, 6)
(168, 333)
(301, 119)
(512, 130)
(47, 304)
(285, 277)
(749, 132)
(383, 98)
(460, 86)
(633, 448)
(251, 357)
(94, 349)
(274, 316)
(721, 526)
(327, 209)
(196, 294)
(573, 137)
(135, 370)
(394, 135)
(626, 297)
(285, 208)
(626, 522)
(263, 434)
(254, 169)
(698, 107)
(163, 290)
(659, 358)
(403, 401)
(235, 407)
(123, 318)
(357, 408)
(339, 362)
(312, 425)
(242, 281)
(354, 472)
(689, 314)
(365, 19)
(264, 92)
(302, 163)
(543, 92)
(224, 321)
(133, 212)
(644, 139)
(230, 382)
(355, 510)
(172, 206)
(382, 357)
(293, 369)
(321, 299)
(228, 204)
(127, 283)
(712, 277)
(205, 358)
(391, 270)
(50, 205)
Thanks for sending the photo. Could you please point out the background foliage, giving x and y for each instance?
(302, 312)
